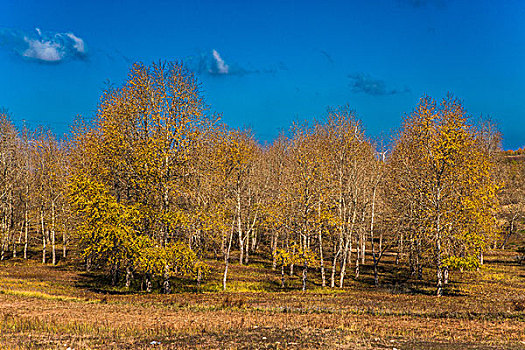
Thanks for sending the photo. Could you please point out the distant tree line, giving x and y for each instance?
(155, 186)
(518, 152)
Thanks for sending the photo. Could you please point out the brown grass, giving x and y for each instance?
(59, 307)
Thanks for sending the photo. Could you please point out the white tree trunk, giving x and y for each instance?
(53, 250)
(43, 236)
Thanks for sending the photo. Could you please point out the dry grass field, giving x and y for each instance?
(60, 307)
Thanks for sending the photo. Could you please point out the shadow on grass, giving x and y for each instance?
(398, 279)
(100, 283)
(258, 276)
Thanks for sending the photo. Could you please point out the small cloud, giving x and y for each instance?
(78, 43)
(215, 65)
(366, 84)
(220, 66)
(46, 47)
(212, 63)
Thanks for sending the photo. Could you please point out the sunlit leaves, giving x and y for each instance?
(442, 180)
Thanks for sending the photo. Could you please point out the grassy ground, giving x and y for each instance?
(60, 307)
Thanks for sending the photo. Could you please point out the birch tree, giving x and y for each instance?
(445, 178)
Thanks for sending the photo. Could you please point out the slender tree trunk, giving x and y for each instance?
(88, 263)
(363, 245)
(321, 258)
(323, 274)
(282, 276)
(64, 244)
(347, 252)
(26, 203)
(372, 217)
(129, 276)
(274, 249)
(255, 240)
(247, 247)
(418, 260)
(227, 258)
(53, 251)
(339, 244)
(337, 253)
(292, 264)
(343, 262)
(439, 263)
(166, 203)
(439, 269)
(376, 263)
(241, 248)
(14, 241)
(43, 236)
(10, 227)
(357, 261)
(149, 285)
(481, 257)
(166, 284)
(199, 276)
(239, 227)
(26, 232)
(400, 248)
(3, 235)
(305, 271)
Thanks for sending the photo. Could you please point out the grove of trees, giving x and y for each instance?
(155, 187)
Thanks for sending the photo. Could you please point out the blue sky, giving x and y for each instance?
(266, 64)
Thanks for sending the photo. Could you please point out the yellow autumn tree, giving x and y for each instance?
(105, 231)
(140, 149)
(441, 179)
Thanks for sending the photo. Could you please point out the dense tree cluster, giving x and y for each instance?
(156, 186)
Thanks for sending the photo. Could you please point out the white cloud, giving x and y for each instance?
(222, 67)
(79, 43)
(50, 47)
(43, 50)
(211, 63)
